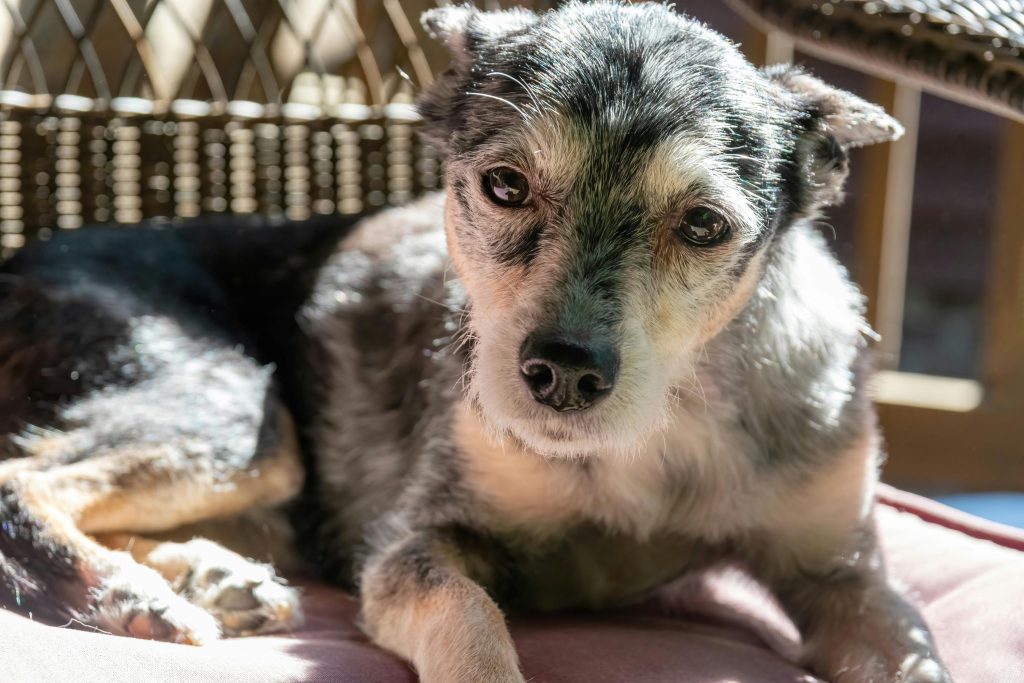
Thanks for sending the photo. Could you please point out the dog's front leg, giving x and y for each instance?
(418, 602)
(856, 628)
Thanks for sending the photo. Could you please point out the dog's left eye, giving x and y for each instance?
(702, 226)
(506, 186)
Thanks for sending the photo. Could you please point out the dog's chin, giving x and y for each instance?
(559, 444)
(576, 446)
(555, 438)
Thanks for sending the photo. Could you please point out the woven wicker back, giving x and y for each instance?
(119, 110)
(970, 50)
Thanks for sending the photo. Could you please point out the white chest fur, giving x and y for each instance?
(688, 478)
(693, 479)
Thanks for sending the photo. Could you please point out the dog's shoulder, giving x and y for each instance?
(388, 257)
(795, 361)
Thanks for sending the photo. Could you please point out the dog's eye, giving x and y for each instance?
(702, 225)
(506, 186)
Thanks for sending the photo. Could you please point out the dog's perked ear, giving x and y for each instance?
(464, 30)
(832, 121)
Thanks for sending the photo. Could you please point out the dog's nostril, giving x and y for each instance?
(539, 376)
(567, 372)
(591, 386)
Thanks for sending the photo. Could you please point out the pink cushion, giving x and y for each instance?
(967, 574)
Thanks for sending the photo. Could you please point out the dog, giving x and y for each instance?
(615, 352)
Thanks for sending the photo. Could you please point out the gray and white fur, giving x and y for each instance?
(565, 400)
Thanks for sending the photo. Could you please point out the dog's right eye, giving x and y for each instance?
(506, 186)
(702, 226)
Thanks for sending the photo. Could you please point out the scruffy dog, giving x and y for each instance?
(615, 352)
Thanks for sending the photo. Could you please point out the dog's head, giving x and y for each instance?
(615, 175)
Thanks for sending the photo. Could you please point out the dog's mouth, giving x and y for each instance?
(566, 435)
(556, 434)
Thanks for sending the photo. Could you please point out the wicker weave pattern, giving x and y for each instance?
(120, 110)
(61, 171)
(209, 50)
(973, 47)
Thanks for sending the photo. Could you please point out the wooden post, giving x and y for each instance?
(899, 204)
(884, 230)
(870, 213)
(1004, 345)
(779, 48)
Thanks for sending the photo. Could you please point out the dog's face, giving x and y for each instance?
(616, 174)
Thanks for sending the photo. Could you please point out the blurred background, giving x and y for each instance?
(121, 110)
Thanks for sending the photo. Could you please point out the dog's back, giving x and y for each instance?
(67, 305)
(145, 357)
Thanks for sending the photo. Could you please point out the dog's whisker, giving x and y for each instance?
(526, 116)
(537, 106)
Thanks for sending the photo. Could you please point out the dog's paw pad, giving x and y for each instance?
(246, 597)
(238, 598)
(181, 623)
(256, 607)
(138, 603)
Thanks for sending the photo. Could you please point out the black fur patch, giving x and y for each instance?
(37, 573)
(521, 248)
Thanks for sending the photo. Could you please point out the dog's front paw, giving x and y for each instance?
(877, 662)
(246, 597)
(915, 670)
(923, 669)
(473, 670)
(137, 602)
(484, 659)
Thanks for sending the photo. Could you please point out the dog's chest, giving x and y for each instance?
(609, 531)
(590, 567)
(694, 480)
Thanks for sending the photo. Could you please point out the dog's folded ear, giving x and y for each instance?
(851, 121)
(463, 27)
(468, 33)
(831, 121)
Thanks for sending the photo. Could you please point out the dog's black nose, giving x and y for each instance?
(567, 372)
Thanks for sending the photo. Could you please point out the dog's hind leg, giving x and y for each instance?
(50, 565)
(51, 569)
(244, 595)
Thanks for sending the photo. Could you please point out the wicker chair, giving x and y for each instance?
(120, 110)
(969, 50)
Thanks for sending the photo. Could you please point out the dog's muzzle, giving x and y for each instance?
(568, 371)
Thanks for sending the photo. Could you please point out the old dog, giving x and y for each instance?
(616, 351)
